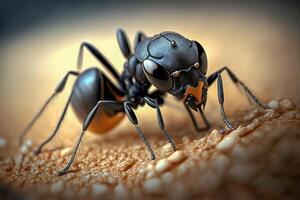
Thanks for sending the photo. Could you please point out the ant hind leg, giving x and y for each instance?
(57, 90)
(40, 147)
(111, 105)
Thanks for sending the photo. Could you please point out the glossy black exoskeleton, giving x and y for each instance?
(170, 62)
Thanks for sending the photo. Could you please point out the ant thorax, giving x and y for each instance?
(135, 89)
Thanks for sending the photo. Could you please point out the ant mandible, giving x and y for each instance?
(170, 62)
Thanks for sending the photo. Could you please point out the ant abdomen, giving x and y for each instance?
(92, 86)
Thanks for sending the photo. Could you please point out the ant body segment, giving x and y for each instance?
(170, 62)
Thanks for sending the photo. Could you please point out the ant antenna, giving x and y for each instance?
(173, 43)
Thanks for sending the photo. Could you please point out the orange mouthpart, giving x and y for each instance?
(195, 91)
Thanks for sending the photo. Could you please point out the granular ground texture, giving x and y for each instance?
(259, 159)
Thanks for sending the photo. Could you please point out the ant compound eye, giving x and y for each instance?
(202, 59)
(156, 74)
(176, 73)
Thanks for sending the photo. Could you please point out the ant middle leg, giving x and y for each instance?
(132, 118)
(57, 90)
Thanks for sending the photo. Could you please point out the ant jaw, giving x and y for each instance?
(193, 96)
(196, 92)
(191, 101)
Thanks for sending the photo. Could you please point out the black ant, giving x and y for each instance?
(170, 62)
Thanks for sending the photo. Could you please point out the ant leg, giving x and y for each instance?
(40, 147)
(234, 78)
(95, 52)
(207, 125)
(123, 43)
(132, 118)
(154, 104)
(86, 123)
(138, 38)
(57, 90)
(221, 101)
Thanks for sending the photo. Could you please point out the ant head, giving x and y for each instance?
(174, 64)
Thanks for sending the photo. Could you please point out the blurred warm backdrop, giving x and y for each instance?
(39, 44)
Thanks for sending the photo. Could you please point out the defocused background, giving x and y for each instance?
(40, 40)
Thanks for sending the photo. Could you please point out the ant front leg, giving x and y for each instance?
(132, 118)
(217, 76)
(207, 125)
(154, 104)
(57, 90)
(235, 80)
(210, 80)
(221, 101)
